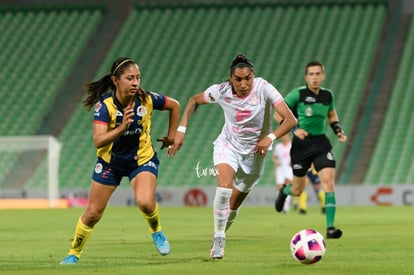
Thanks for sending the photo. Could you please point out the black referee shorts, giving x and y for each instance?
(312, 149)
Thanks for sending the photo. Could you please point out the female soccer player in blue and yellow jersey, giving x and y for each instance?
(313, 105)
(121, 134)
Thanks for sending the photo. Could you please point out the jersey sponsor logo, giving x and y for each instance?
(310, 99)
(242, 114)
(136, 131)
(141, 110)
(309, 111)
(98, 168)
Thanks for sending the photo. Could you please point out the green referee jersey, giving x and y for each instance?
(311, 110)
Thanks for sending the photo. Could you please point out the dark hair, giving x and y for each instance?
(98, 88)
(241, 61)
(314, 64)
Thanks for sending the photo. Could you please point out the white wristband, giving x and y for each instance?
(181, 129)
(272, 136)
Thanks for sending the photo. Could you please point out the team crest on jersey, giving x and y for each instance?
(98, 168)
(254, 100)
(141, 110)
(309, 111)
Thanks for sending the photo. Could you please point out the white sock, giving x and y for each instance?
(286, 206)
(221, 206)
(232, 217)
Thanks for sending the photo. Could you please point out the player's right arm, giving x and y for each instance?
(101, 135)
(189, 111)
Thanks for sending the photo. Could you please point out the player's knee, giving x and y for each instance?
(92, 216)
(297, 190)
(329, 186)
(146, 206)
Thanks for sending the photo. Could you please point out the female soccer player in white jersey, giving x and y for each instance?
(283, 170)
(246, 136)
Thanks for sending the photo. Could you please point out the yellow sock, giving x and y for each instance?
(295, 201)
(82, 233)
(321, 196)
(153, 220)
(303, 200)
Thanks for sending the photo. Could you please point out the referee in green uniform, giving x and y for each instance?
(312, 105)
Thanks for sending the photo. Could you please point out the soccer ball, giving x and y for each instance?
(307, 246)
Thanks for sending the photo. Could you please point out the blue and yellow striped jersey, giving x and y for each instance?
(135, 143)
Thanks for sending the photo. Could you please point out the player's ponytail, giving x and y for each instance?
(96, 89)
(241, 61)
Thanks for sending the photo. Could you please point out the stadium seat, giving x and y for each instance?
(39, 48)
(393, 160)
(183, 50)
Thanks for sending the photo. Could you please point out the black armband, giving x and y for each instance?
(337, 128)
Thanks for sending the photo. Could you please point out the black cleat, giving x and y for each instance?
(302, 212)
(280, 200)
(333, 233)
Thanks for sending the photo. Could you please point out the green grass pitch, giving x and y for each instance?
(376, 240)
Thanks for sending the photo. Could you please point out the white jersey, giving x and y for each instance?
(246, 120)
(282, 153)
(283, 171)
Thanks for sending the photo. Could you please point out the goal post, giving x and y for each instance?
(21, 162)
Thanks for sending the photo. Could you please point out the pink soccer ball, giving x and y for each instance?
(308, 246)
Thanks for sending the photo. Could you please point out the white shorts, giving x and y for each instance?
(248, 168)
(283, 173)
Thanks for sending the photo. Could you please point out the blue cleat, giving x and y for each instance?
(161, 243)
(70, 259)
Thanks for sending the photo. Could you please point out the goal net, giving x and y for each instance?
(29, 168)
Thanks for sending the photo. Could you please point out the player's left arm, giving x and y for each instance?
(336, 126)
(189, 110)
(173, 106)
(287, 123)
